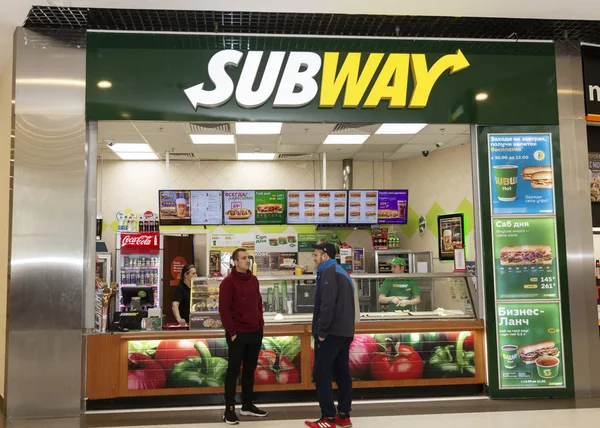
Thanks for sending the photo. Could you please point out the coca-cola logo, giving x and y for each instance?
(139, 240)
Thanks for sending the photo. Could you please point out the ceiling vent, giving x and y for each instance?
(209, 128)
(355, 128)
(294, 156)
(180, 156)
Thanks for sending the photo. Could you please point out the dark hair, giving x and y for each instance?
(234, 256)
(185, 270)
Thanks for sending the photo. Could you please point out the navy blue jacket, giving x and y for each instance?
(336, 302)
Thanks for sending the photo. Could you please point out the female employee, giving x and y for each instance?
(399, 293)
(181, 297)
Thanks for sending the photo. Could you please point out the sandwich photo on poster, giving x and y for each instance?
(521, 173)
(270, 206)
(239, 207)
(530, 353)
(451, 232)
(174, 207)
(525, 265)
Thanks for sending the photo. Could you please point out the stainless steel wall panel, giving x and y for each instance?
(578, 220)
(48, 221)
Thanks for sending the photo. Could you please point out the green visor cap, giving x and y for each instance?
(398, 261)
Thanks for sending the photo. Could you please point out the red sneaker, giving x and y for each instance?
(343, 422)
(321, 423)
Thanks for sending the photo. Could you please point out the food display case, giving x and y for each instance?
(438, 342)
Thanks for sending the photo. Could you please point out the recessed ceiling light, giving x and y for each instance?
(131, 148)
(345, 139)
(482, 96)
(258, 128)
(400, 128)
(104, 84)
(256, 156)
(137, 156)
(212, 139)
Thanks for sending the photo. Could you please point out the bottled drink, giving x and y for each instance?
(276, 298)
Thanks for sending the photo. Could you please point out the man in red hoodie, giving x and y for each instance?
(241, 309)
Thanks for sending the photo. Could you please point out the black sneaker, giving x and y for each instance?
(252, 410)
(230, 417)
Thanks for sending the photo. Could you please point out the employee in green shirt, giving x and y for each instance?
(399, 293)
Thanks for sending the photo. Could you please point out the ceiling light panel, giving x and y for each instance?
(345, 139)
(258, 128)
(138, 156)
(256, 156)
(130, 148)
(212, 139)
(400, 128)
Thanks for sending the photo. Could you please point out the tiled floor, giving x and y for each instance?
(461, 413)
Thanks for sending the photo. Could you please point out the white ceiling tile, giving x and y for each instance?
(431, 138)
(176, 148)
(379, 148)
(370, 157)
(307, 128)
(416, 148)
(388, 139)
(166, 139)
(116, 127)
(257, 139)
(310, 139)
(444, 129)
(334, 148)
(161, 127)
(297, 148)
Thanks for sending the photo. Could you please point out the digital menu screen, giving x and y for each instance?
(392, 206)
(239, 206)
(362, 206)
(174, 207)
(317, 206)
(206, 207)
(270, 206)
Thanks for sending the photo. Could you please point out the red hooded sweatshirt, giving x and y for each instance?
(240, 303)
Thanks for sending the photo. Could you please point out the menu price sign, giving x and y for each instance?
(521, 173)
(530, 353)
(525, 264)
(174, 207)
(270, 206)
(331, 206)
(206, 207)
(362, 206)
(392, 206)
(239, 207)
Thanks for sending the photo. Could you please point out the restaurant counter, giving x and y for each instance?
(415, 348)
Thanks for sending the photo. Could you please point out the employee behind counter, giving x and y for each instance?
(399, 293)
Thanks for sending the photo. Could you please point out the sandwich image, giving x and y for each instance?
(168, 211)
(388, 214)
(354, 213)
(526, 255)
(324, 214)
(309, 195)
(270, 208)
(309, 213)
(340, 204)
(370, 213)
(339, 214)
(324, 204)
(248, 245)
(539, 176)
(309, 204)
(294, 204)
(324, 194)
(371, 203)
(529, 353)
(340, 194)
(294, 214)
(355, 194)
(239, 214)
(293, 195)
(371, 194)
(355, 204)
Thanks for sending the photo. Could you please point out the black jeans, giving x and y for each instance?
(332, 361)
(243, 351)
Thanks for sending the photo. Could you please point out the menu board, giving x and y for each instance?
(530, 345)
(522, 173)
(206, 207)
(392, 206)
(270, 206)
(174, 207)
(301, 207)
(525, 258)
(239, 206)
(331, 206)
(594, 159)
(362, 206)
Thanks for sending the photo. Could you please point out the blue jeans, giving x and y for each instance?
(332, 362)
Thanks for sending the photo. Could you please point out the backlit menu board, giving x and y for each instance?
(392, 206)
(206, 207)
(174, 207)
(270, 206)
(239, 206)
(331, 206)
(362, 206)
(301, 207)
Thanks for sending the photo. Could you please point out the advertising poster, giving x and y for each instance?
(451, 231)
(392, 206)
(301, 207)
(306, 240)
(238, 207)
(206, 207)
(174, 207)
(331, 206)
(530, 345)
(277, 243)
(525, 264)
(594, 159)
(362, 207)
(521, 173)
(270, 206)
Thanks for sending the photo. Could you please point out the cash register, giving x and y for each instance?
(135, 302)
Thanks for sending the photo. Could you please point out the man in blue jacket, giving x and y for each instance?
(335, 314)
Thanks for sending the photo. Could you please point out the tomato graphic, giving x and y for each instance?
(171, 352)
(399, 362)
(273, 368)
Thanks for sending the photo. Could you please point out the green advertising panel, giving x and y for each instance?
(306, 240)
(525, 259)
(270, 206)
(188, 77)
(530, 346)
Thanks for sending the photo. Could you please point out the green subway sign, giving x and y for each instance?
(208, 78)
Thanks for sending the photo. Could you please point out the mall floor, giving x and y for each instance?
(424, 413)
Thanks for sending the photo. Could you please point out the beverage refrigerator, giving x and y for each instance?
(139, 262)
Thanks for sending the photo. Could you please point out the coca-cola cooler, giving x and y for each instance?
(138, 270)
